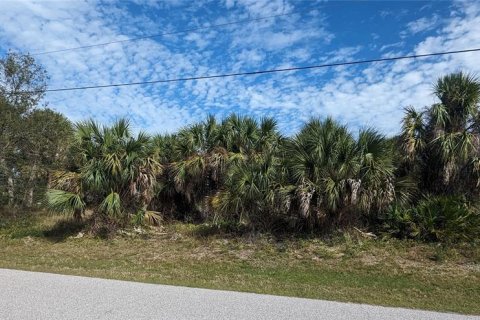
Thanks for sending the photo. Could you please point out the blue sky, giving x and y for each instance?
(318, 32)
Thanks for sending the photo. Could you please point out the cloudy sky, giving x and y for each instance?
(312, 32)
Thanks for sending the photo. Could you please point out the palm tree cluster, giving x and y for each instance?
(238, 170)
(243, 171)
(112, 173)
(200, 162)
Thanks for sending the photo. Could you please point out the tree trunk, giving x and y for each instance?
(77, 215)
(10, 191)
(28, 197)
(10, 185)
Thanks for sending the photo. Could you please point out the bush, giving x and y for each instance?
(399, 222)
(434, 218)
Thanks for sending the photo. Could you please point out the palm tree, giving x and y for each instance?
(255, 191)
(116, 174)
(441, 143)
(334, 175)
(198, 163)
(377, 186)
(320, 175)
(321, 159)
(202, 155)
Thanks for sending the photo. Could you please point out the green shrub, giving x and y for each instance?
(399, 222)
(447, 219)
(434, 218)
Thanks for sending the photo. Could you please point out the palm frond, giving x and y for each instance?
(111, 205)
(153, 218)
(65, 202)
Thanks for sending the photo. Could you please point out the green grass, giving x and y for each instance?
(345, 268)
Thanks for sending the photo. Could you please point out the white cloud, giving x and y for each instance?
(422, 24)
(358, 95)
(265, 7)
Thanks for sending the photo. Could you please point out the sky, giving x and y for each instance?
(312, 32)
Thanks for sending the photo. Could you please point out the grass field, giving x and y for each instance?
(347, 267)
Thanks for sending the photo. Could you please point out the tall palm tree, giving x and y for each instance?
(442, 143)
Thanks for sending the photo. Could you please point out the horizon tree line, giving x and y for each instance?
(243, 171)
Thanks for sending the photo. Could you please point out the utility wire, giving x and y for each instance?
(173, 32)
(249, 73)
(166, 33)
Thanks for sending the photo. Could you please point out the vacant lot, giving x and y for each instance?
(348, 267)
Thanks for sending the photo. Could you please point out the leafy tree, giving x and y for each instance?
(323, 175)
(22, 81)
(10, 124)
(255, 191)
(22, 86)
(44, 142)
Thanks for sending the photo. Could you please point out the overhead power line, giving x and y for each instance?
(258, 72)
(165, 34)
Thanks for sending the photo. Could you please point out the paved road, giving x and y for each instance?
(30, 295)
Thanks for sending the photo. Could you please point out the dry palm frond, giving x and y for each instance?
(305, 193)
(153, 218)
(65, 180)
(354, 188)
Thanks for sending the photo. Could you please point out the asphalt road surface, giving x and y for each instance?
(31, 295)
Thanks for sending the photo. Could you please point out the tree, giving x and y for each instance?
(254, 191)
(323, 175)
(115, 177)
(44, 143)
(334, 176)
(10, 126)
(442, 143)
(22, 86)
(22, 81)
(201, 156)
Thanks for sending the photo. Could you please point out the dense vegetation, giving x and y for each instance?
(33, 141)
(242, 172)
